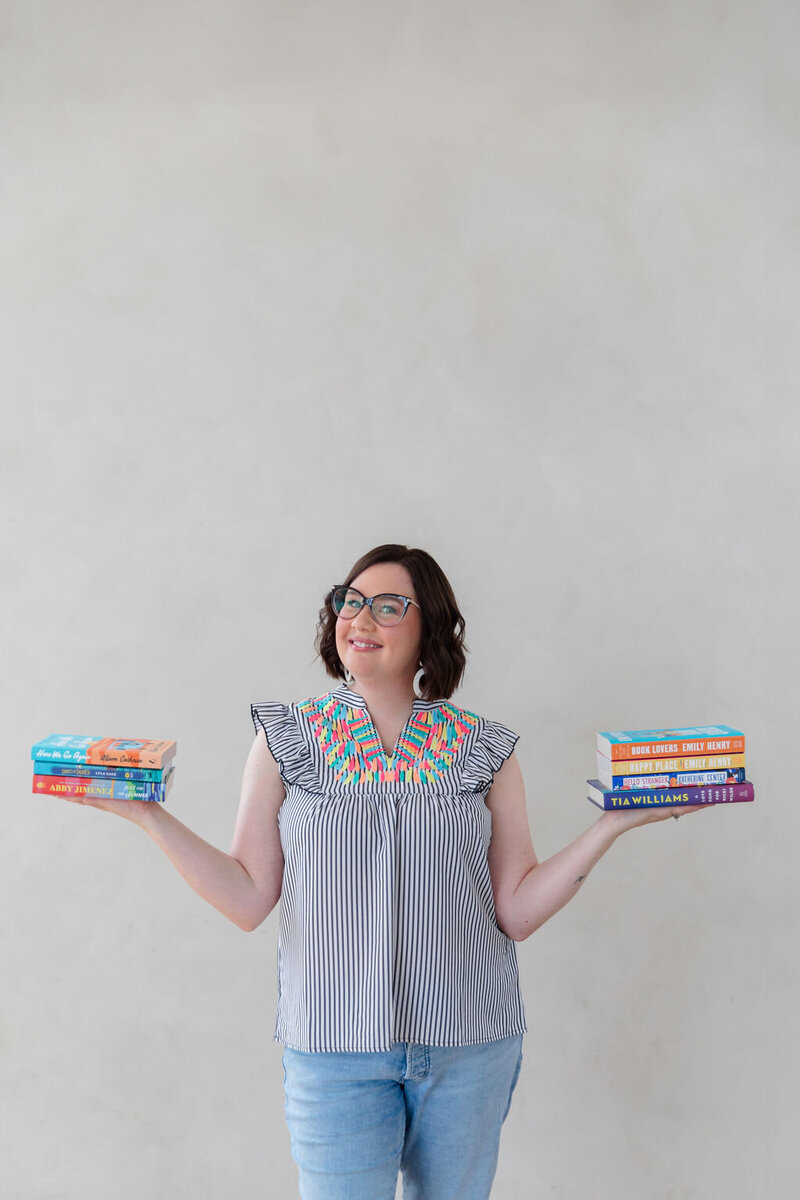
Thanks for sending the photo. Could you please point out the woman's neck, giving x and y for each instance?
(389, 707)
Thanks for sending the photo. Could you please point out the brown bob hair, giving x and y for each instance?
(442, 649)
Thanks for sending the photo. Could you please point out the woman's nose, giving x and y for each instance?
(363, 615)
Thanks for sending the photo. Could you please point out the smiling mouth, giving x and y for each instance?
(357, 644)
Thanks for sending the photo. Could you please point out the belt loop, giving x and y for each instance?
(418, 1060)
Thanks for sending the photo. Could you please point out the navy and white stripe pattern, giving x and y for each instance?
(387, 924)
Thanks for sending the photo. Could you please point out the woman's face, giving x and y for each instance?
(381, 653)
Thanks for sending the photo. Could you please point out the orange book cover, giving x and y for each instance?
(130, 752)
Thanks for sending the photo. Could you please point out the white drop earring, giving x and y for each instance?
(418, 681)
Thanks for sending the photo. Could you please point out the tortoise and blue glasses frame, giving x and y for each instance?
(385, 608)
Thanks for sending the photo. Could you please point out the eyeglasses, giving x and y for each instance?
(386, 609)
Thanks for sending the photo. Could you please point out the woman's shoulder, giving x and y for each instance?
(460, 712)
(288, 712)
(472, 729)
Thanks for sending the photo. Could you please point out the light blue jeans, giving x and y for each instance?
(433, 1112)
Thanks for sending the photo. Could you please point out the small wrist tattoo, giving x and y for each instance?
(580, 879)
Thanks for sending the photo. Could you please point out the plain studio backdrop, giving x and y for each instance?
(516, 283)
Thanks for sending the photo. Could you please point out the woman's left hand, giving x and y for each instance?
(631, 818)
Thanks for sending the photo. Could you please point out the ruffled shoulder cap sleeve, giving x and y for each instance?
(494, 743)
(285, 741)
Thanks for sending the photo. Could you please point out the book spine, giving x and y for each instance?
(144, 774)
(110, 789)
(735, 793)
(671, 747)
(671, 766)
(688, 779)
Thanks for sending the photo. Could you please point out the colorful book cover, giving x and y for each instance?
(687, 779)
(735, 793)
(104, 752)
(143, 774)
(606, 770)
(110, 789)
(667, 743)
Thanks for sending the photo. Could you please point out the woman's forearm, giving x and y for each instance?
(551, 884)
(218, 877)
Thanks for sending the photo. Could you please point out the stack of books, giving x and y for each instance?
(114, 768)
(642, 768)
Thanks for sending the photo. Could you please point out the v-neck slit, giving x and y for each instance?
(374, 747)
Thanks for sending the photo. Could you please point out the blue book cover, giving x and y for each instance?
(63, 747)
(681, 779)
(139, 774)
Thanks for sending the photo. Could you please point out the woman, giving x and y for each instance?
(393, 825)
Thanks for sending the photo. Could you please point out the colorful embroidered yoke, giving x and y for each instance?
(387, 927)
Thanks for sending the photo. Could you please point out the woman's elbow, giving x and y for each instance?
(248, 924)
(250, 920)
(514, 928)
(519, 932)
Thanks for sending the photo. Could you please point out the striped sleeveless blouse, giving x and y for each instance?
(387, 925)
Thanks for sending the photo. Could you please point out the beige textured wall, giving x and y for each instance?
(517, 283)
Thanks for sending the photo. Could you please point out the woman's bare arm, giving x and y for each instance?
(526, 892)
(245, 884)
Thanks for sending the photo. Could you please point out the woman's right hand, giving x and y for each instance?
(132, 810)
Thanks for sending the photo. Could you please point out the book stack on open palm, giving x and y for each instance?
(113, 768)
(641, 768)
